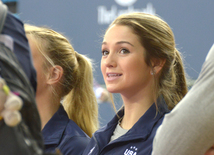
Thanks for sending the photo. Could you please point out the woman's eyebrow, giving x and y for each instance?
(120, 42)
(126, 42)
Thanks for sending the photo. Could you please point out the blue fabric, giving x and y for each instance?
(63, 133)
(137, 141)
(14, 28)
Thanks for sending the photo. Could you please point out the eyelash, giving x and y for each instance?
(126, 51)
(120, 51)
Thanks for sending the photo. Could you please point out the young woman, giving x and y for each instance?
(63, 73)
(139, 61)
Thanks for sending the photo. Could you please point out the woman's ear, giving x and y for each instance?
(55, 75)
(157, 65)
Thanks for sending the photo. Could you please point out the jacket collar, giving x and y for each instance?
(141, 129)
(145, 124)
(53, 130)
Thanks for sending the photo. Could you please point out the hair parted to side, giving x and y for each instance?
(76, 87)
(158, 40)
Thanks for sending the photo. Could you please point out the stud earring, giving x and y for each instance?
(152, 72)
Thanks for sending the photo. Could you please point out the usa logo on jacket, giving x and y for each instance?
(131, 151)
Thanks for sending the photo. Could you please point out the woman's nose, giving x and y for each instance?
(110, 61)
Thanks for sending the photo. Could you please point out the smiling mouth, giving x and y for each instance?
(113, 75)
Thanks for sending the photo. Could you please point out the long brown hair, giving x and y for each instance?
(157, 38)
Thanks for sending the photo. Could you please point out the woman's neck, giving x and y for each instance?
(47, 107)
(134, 108)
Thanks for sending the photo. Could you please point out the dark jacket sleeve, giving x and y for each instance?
(14, 28)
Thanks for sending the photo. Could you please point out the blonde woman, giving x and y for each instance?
(63, 73)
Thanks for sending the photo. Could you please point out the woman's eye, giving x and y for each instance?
(104, 53)
(124, 51)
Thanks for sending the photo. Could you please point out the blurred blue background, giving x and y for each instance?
(84, 22)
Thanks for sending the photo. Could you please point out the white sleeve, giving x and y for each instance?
(189, 128)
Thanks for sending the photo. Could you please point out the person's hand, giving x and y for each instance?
(10, 104)
(210, 151)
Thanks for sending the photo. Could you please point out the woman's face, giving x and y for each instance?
(123, 62)
(38, 61)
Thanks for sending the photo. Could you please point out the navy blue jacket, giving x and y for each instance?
(63, 133)
(137, 141)
(14, 28)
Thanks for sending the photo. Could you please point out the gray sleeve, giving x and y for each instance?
(189, 128)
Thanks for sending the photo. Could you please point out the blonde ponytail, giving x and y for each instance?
(76, 85)
(80, 103)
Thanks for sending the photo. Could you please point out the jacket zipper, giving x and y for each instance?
(96, 144)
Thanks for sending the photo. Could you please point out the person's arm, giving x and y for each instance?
(189, 128)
